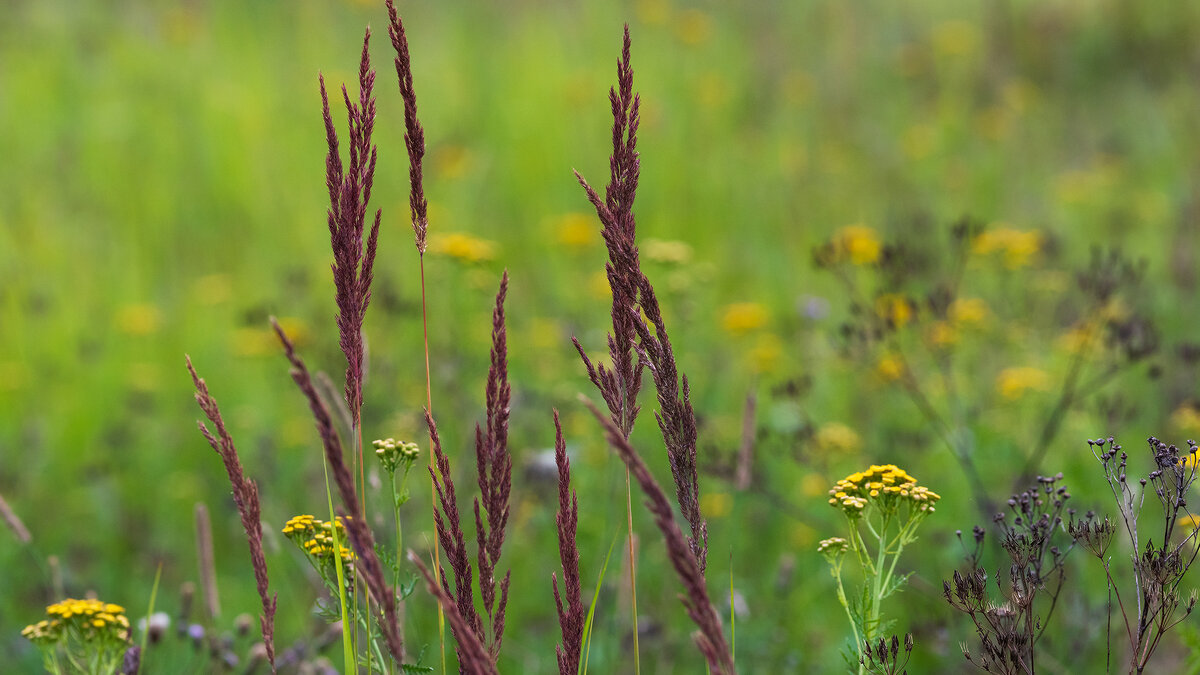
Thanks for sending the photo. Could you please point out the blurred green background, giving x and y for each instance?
(163, 193)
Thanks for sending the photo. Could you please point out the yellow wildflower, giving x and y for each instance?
(1186, 418)
(890, 367)
(1012, 383)
(858, 244)
(968, 311)
(463, 247)
(894, 308)
(765, 354)
(1016, 246)
(942, 334)
(666, 252)
(886, 486)
(577, 231)
(693, 27)
(716, 504)
(138, 319)
(837, 437)
(743, 317)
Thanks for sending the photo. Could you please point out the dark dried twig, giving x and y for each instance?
(710, 639)
(571, 616)
(245, 497)
(361, 539)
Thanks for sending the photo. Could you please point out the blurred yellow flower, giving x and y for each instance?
(838, 438)
(942, 334)
(653, 12)
(693, 27)
(955, 38)
(858, 244)
(919, 141)
(743, 317)
(667, 252)
(965, 311)
(463, 247)
(138, 319)
(577, 230)
(451, 162)
(598, 286)
(212, 289)
(263, 341)
(889, 367)
(1012, 383)
(766, 353)
(813, 485)
(1186, 418)
(716, 504)
(1017, 246)
(1079, 338)
(894, 308)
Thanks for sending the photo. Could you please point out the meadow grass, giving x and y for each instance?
(164, 194)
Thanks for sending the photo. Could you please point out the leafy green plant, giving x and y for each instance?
(883, 506)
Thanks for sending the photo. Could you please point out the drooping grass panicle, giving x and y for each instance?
(245, 497)
(361, 538)
(711, 638)
(472, 655)
(452, 540)
(414, 134)
(349, 195)
(675, 416)
(572, 614)
(494, 466)
(633, 295)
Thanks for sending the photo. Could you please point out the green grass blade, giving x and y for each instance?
(587, 625)
(149, 613)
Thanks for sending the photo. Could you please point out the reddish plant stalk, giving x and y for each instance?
(571, 615)
(361, 538)
(245, 497)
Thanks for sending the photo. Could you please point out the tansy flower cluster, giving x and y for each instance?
(393, 453)
(315, 538)
(90, 620)
(887, 486)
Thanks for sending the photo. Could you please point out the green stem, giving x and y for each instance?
(347, 633)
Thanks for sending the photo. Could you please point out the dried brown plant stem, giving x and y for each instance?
(208, 568)
(414, 143)
(361, 539)
(710, 638)
(245, 497)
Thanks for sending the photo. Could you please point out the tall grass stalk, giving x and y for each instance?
(414, 143)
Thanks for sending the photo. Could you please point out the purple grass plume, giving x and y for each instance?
(245, 497)
(491, 508)
(572, 615)
(473, 657)
(414, 134)
(710, 638)
(636, 314)
(361, 539)
(619, 385)
(349, 194)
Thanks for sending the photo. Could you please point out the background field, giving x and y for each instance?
(163, 193)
